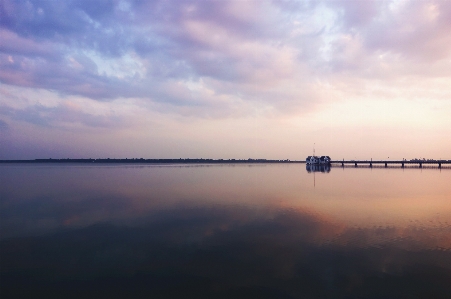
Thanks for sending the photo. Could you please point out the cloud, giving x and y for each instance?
(228, 41)
(13, 44)
(64, 115)
(221, 58)
(3, 125)
(379, 37)
(417, 30)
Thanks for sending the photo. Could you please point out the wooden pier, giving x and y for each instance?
(386, 163)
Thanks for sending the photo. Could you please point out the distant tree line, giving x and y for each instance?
(151, 161)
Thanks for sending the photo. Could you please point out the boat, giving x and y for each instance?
(315, 160)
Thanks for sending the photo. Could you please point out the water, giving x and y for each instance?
(224, 231)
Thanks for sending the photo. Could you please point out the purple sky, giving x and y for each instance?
(225, 79)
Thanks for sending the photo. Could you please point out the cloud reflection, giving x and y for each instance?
(222, 231)
(207, 251)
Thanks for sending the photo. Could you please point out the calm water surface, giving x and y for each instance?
(223, 231)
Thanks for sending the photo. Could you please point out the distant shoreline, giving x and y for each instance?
(360, 163)
(154, 161)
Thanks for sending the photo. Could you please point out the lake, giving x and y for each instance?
(224, 231)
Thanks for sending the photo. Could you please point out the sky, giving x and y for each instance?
(225, 79)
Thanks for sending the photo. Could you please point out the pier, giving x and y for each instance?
(386, 163)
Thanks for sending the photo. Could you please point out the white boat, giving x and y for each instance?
(315, 160)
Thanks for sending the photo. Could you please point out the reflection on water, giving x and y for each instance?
(317, 168)
(224, 232)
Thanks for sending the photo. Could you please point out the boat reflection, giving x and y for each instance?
(325, 168)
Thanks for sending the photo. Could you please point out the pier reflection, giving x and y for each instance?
(325, 168)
